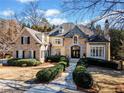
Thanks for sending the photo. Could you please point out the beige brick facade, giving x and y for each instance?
(67, 44)
(33, 46)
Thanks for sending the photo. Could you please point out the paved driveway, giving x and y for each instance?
(63, 84)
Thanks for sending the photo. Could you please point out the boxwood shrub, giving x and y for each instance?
(100, 62)
(23, 62)
(57, 59)
(48, 74)
(53, 58)
(81, 77)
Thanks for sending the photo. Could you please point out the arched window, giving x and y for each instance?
(75, 38)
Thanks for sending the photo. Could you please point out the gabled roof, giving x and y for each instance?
(75, 31)
(66, 28)
(35, 34)
(69, 27)
(97, 38)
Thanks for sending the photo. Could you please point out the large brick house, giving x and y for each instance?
(73, 41)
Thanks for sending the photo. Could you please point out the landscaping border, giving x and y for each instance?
(100, 62)
(23, 62)
(81, 77)
(48, 74)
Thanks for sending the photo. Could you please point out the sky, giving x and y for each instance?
(51, 8)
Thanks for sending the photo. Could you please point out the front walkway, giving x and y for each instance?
(63, 84)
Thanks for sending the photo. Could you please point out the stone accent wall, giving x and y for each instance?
(67, 44)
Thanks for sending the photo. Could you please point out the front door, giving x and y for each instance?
(75, 51)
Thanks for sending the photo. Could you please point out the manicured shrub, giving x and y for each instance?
(48, 74)
(53, 58)
(100, 62)
(23, 62)
(44, 75)
(57, 59)
(82, 62)
(65, 60)
(81, 77)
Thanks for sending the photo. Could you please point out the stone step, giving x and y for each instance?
(75, 60)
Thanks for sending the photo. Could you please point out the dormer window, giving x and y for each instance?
(61, 30)
(75, 38)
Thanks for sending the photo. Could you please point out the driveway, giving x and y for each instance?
(63, 84)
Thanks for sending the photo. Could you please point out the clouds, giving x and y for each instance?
(54, 16)
(85, 22)
(52, 12)
(26, 1)
(57, 21)
(49, 12)
(7, 13)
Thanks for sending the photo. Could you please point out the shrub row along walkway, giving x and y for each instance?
(63, 84)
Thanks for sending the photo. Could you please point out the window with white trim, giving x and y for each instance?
(97, 51)
(57, 41)
(31, 54)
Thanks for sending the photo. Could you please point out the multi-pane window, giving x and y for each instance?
(97, 51)
(20, 54)
(25, 40)
(75, 39)
(57, 41)
(31, 54)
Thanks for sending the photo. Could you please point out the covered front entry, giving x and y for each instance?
(75, 51)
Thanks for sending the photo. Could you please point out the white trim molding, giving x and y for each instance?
(96, 51)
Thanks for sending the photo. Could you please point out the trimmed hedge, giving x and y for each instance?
(57, 59)
(48, 74)
(23, 62)
(100, 62)
(53, 58)
(81, 77)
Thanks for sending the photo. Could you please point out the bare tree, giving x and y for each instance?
(5, 43)
(9, 30)
(111, 9)
(33, 14)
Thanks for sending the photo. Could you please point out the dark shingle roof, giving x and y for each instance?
(75, 31)
(70, 27)
(97, 38)
(66, 28)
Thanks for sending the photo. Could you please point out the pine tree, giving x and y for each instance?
(23, 25)
(28, 25)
